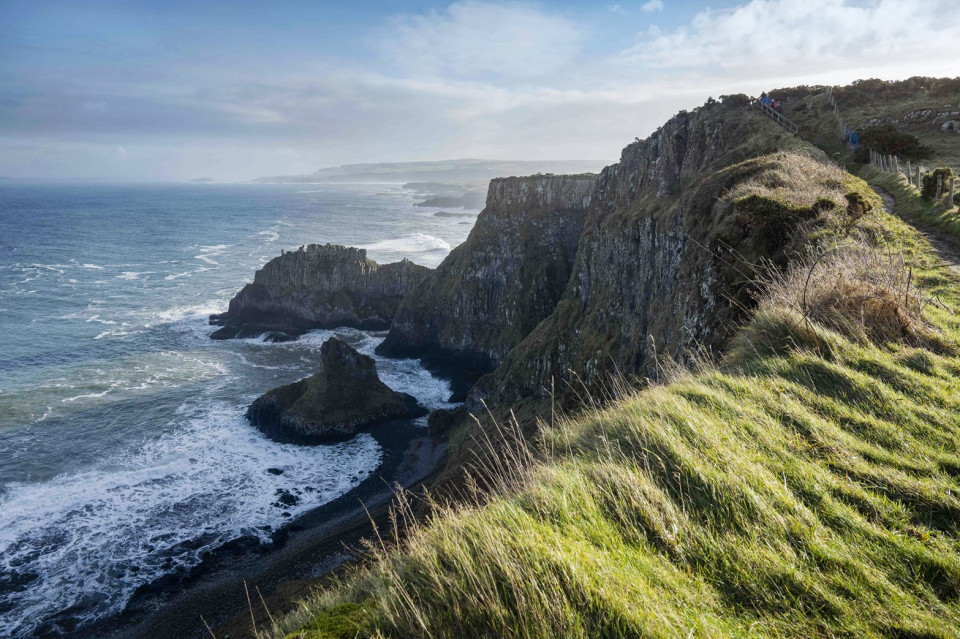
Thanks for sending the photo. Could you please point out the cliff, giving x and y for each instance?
(320, 286)
(669, 248)
(493, 289)
(333, 404)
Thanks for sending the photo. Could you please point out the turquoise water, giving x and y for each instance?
(124, 454)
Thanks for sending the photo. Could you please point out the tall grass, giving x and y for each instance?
(807, 485)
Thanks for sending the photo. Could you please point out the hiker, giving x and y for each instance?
(854, 140)
(765, 98)
(777, 106)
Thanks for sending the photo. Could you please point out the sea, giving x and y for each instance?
(124, 452)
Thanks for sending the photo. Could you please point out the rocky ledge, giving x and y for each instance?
(318, 286)
(332, 405)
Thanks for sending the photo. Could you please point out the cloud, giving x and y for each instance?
(474, 79)
(475, 39)
(653, 5)
(791, 38)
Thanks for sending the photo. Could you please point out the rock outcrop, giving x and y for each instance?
(493, 289)
(333, 404)
(320, 286)
(662, 264)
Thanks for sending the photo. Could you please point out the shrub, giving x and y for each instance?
(735, 100)
(890, 140)
(860, 292)
(940, 176)
(864, 91)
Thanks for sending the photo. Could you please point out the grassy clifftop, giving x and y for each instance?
(805, 483)
(808, 485)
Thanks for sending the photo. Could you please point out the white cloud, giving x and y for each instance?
(788, 38)
(472, 39)
(653, 5)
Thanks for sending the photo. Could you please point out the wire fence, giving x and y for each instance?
(890, 163)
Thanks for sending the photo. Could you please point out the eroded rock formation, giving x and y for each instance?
(656, 273)
(509, 274)
(334, 404)
(319, 286)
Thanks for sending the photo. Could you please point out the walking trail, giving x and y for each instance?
(944, 245)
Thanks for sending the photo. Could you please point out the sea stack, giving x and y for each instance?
(318, 286)
(332, 405)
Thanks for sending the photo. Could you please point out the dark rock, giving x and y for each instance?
(285, 498)
(274, 471)
(333, 404)
(318, 287)
(493, 289)
(659, 271)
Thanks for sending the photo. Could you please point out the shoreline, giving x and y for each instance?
(304, 550)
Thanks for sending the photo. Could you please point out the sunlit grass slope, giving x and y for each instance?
(806, 485)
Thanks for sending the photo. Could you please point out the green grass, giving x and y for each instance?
(911, 206)
(806, 485)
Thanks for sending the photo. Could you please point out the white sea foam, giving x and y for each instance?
(174, 276)
(97, 535)
(208, 252)
(402, 375)
(410, 244)
(272, 236)
(93, 266)
(129, 275)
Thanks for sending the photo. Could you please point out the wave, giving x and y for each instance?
(96, 536)
(409, 244)
(402, 375)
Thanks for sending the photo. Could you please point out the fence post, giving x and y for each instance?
(950, 203)
(919, 173)
(939, 186)
(909, 174)
(896, 164)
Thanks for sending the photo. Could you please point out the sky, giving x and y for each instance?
(177, 90)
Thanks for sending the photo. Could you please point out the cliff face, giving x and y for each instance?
(656, 270)
(493, 289)
(319, 287)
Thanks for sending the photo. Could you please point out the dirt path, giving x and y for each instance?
(946, 246)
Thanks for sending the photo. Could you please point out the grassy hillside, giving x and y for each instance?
(927, 108)
(806, 485)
